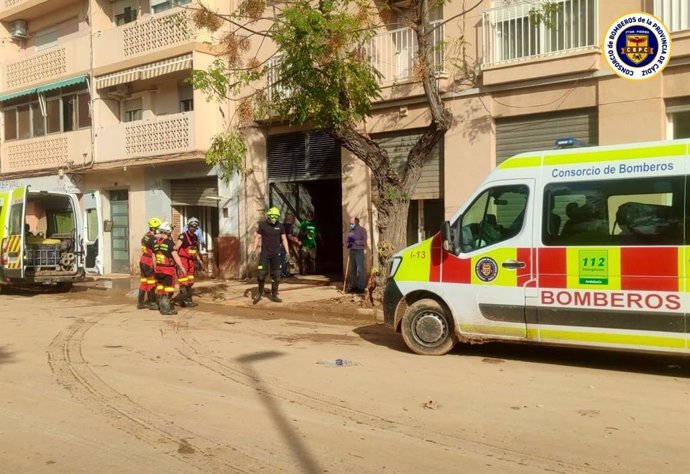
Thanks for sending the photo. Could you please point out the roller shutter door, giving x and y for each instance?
(539, 132)
(303, 157)
(194, 192)
(398, 146)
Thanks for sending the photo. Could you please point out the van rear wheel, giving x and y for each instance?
(427, 329)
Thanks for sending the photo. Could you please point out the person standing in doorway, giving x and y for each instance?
(308, 235)
(147, 279)
(270, 237)
(187, 247)
(357, 243)
(167, 262)
(293, 242)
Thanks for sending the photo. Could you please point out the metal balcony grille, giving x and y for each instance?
(512, 31)
(674, 13)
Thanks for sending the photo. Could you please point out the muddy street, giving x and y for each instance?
(88, 383)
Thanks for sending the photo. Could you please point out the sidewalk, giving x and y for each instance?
(296, 293)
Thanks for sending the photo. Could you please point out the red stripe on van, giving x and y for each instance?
(436, 256)
(524, 274)
(649, 268)
(552, 268)
(456, 270)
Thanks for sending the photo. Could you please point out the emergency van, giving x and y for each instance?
(578, 246)
(46, 239)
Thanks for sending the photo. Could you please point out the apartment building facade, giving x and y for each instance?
(93, 96)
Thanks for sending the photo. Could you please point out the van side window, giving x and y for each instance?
(496, 215)
(16, 226)
(647, 211)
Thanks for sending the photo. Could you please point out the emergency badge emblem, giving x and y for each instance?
(486, 269)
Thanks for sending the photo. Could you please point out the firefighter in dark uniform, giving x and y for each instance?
(270, 235)
(166, 263)
(147, 280)
(187, 247)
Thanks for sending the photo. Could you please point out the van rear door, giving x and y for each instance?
(93, 233)
(14, 245)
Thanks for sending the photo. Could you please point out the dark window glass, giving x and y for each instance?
(645, 211)
(68, 113)
(38, 121)
(16, 226)
(23, 121)
(84, 110)
(10, 124)
(496, 215)
(53, 118)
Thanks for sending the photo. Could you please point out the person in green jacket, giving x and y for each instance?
(308, 235)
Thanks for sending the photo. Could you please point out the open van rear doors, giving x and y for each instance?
(93, 232)
(13, 242)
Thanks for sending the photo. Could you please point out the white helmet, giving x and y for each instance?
(165, 228)
(193, 221)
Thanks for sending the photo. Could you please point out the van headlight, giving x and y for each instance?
(393, 266)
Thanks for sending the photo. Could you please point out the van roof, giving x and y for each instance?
(628, 151)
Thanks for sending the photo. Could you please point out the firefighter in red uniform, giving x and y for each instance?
(147, 281)
(187, 247)
(166, 264)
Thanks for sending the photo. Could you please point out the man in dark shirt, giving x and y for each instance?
(270, 235)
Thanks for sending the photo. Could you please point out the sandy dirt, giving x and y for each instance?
(90, 384)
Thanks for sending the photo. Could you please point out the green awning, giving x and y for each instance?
(46, 87)
(60, 84)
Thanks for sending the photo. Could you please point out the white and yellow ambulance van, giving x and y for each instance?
(579, 246)
(45, 238)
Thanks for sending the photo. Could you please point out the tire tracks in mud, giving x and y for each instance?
(189, 348)
(73, 372)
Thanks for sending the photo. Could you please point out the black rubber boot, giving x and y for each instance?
(141, 304)
(259, 293)
(153, 300)
(187, 297)
(274, 293)
(165, 305)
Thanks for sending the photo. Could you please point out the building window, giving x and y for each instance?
(186, 93)
(53, 114)
(133, 110)
(46, 39)
(681, 124)
(158, 6)
(674, 13)
(513, 33)
(124, 11)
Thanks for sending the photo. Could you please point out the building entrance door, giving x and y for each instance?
(119, 235)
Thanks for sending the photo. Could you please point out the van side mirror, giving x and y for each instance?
(447, 238)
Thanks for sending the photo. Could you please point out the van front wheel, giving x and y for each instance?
(427, 329)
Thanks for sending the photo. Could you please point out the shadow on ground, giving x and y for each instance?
(5, 356)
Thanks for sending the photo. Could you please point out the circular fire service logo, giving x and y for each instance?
(637, 46)
(486, 269)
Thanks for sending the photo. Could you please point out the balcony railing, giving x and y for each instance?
(63, 60)
(156, 136)
(527, 30)
(674, 13)
(47, 152)
(393, 53)
(150, 35)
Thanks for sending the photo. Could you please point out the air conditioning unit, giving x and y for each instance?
(120, 91)
(19, 30)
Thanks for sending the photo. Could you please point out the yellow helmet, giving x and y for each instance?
(154, 223)
(273, 212)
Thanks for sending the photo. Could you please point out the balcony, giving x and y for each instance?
(393, 53)
(514, 33)
(163, 135)
(151, 39)
(674, 13)
(66, 59)
(48, 152)
(11, 10)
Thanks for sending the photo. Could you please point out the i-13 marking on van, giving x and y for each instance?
(582, 246)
